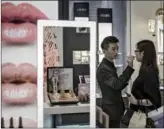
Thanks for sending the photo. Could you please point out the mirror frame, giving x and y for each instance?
(66, 23)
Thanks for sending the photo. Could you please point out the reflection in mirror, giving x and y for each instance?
(66, 58)
(82, 30)
(80, 57)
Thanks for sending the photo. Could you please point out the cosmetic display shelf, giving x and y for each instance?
(69, 109)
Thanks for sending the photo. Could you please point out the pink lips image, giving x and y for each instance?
(19, 83)
(19, 22)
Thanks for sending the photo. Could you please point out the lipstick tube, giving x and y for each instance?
(2, 123)
(20, 123)
(11, 123)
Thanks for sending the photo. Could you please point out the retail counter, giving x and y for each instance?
(60, 115)
(70, 109)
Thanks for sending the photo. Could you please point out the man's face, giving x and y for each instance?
(112, 51)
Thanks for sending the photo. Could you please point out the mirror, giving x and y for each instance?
(66, 70)
(61, 50)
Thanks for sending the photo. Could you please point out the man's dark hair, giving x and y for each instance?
(108, 40)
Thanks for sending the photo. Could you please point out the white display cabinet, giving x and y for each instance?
(79, 107)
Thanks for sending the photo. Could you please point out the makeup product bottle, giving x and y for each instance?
(20, 123)
(71, 92)
(62, 93)
(55, 82)
(11, 123)
(2, 123)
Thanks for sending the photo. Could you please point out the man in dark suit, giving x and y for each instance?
(110, 84)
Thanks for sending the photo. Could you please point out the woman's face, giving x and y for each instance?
(139, 55)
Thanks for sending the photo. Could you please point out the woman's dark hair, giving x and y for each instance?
(149, 57)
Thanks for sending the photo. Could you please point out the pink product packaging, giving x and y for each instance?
(83, 89)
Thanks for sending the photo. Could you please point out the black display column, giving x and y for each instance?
(63, 12)
(81, 11)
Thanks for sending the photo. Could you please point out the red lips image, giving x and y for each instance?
(19, 83)
(19, 22)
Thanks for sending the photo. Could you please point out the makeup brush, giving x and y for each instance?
(11, 123)
(20, 123)
(2, 123)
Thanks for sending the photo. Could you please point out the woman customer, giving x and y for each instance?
(145, 92)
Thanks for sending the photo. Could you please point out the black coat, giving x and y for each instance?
(111, 86)
(146, 86)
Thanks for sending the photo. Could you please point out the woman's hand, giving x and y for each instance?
(132, 100)
(144, 102)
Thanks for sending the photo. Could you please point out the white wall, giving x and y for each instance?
(137, 24)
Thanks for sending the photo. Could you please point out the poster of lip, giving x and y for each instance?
(19, 59)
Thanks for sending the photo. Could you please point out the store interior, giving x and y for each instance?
(141, 23)
(123, 20)
(67, 58)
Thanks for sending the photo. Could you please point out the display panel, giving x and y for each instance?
(60, 86)
(81, 57)
(71, 42)
(19, 59)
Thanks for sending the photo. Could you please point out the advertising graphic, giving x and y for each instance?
(19, 60)
(19, 25)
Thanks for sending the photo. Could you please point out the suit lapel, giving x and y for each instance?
(110, 65)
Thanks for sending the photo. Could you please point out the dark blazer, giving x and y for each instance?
(111, 86)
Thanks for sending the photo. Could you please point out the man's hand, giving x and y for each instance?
(130, 60)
